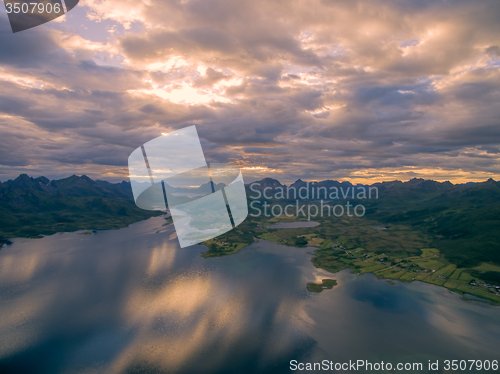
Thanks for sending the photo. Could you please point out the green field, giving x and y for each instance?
(447, 270)
(430, 264)
(465, 277)
(269, 236)
(429, 252)
(431, 280)
(326, 244)
(451, 286)
(407, 277)
(395, 274)
(371, 269)
(487, 267)
(456, 274)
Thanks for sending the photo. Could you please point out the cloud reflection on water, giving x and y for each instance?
(131, 301)
(157, 306)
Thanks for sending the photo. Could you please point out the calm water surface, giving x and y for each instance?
(131, 301)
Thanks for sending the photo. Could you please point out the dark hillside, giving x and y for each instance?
(31, 207)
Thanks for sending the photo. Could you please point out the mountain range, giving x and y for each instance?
(39, 206)
(463, 219)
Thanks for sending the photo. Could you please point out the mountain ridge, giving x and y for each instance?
(464, 218)
(38, 206)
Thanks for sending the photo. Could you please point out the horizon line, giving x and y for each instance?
(283, 184)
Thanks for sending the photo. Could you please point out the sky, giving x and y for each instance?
(364, 91)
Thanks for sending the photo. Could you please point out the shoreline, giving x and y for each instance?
(9, 240)
(380, 270)
(477, 295)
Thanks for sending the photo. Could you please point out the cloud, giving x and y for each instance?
(313, 89)
(211, 77)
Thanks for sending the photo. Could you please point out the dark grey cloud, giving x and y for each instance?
(211, 77)
(493, 50)
(28, 49)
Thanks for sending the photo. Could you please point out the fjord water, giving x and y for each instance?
(131, 301)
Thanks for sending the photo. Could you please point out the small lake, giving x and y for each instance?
(132, 301)
(294, 225)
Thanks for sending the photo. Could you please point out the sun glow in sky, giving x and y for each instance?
(345, 90)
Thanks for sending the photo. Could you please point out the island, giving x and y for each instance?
(324, 285)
